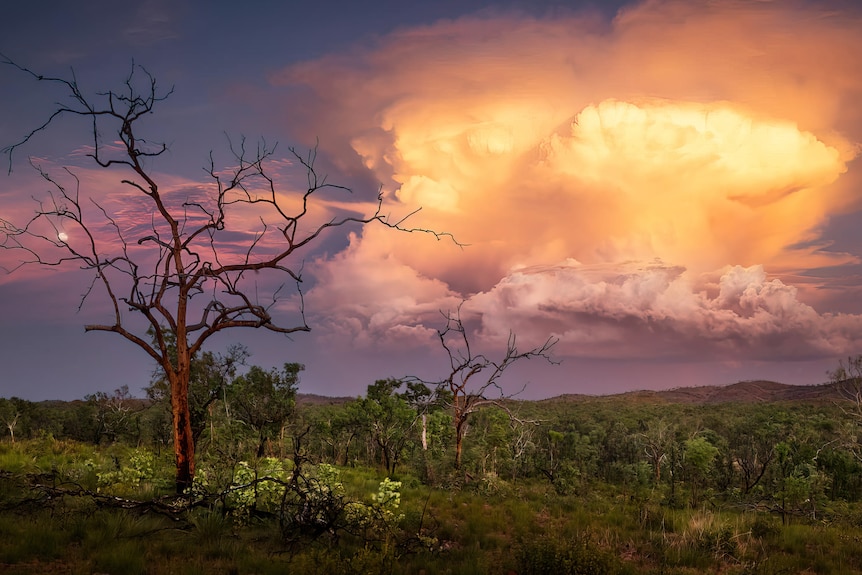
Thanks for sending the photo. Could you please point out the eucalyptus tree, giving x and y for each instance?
(112, 413)
(264, 400)
(752, 444)
(387, 418)
(656, 439)
(210, 374)
(178, 272)
(698, 456)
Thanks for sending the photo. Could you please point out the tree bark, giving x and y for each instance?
(184, 445)
(459, 438)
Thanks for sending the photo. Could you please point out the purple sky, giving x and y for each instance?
(670, 187)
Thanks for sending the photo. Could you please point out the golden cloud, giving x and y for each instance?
(702, 134)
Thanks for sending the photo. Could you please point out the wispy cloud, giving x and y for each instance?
(153, 22)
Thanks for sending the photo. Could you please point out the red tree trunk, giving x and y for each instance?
(184, 444)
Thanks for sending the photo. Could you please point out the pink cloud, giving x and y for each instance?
(656, 311)
(112, 210)
(371, 300)
(721, 144)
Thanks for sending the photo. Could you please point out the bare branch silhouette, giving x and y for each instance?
(177, 272)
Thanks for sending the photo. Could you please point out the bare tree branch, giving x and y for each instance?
(178, 272)
(473, 381)
(847, 379)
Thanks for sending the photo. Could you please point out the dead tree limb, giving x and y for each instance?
(175, 268)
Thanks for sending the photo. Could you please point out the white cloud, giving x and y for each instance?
(658, 311)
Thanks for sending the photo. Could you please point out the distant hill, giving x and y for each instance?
(741, 392)
(314, 399)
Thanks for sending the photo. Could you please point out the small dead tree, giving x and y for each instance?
(657, 438)
(473, 381)
(847, 379)
(111, 412)
(177, 268)
(9, 415)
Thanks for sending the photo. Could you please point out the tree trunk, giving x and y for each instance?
(459, 438)
(184, 445)
(387, 457)
(347, 449)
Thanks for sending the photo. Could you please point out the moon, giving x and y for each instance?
(62, 236)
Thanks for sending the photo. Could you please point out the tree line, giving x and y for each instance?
(174, 275)
(792, 458)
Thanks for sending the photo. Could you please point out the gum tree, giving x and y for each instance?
(175, 270)
(387, 418)
(210, 376)
(264, 400)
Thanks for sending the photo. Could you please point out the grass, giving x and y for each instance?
(30, 538)
(490, 526)
(120, 557)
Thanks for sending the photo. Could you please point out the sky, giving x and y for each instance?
(671, 189)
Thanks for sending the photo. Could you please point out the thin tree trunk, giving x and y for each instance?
(459, 438)
(11, 426)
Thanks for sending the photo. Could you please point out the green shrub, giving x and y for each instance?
(210, 528)
(551, 556)
(13, 458)
(764, 528)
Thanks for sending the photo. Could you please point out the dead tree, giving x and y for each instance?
(473, 381)
(657, 438)
(847, 379)
(173, 268)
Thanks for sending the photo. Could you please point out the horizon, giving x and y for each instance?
(301, 393)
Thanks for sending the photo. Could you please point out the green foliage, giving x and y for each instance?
(264, 400)
(258, 487)
(548, 555)
(14, 458)
(386, 418)
(740, 489)
(210, 375)
(139, 470)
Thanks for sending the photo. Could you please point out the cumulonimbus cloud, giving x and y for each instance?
(721, 145)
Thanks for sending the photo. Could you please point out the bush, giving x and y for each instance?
(764, 528)
(551, 556)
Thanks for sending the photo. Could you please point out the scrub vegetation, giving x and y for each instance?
(226, 469)
(638, 483)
